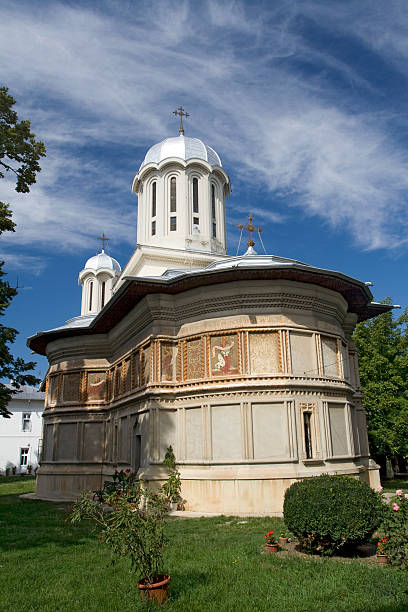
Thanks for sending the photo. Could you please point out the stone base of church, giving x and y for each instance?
(236, 493)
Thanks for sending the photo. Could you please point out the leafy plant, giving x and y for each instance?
(14, 470)
(172, 487)
(29, 468)
(395, 529)
(7, 471)
(270, 538)
(134, 528)
(330, 513)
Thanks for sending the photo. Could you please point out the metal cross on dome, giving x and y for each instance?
(181, 113)
(250, 228)
(104, 239)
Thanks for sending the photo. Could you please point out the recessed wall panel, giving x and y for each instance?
(270, 430)
(93, 442)
(67, 442)
(226, 432)
(194, 433)
(302, 354)
(338, 432)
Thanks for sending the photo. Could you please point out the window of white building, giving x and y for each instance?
(26, 425)
(24, 456)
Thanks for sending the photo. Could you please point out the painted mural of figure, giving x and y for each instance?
(222, 352)
(167, 362)
(96, 386)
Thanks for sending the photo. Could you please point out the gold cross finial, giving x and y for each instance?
(104, 239)
(250, 228)
(181, 113)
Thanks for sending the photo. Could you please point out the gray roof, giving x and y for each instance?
(27, 393)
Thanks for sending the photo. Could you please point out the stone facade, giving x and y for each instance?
(255, 384)
(245, 365)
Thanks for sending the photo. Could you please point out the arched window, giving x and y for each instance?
(173, 195)
(90, 295)
(154, 199)
(195, 195)
(103, 294)
(213, 215)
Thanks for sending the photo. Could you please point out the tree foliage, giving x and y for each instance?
(382, 345)
(20, 153)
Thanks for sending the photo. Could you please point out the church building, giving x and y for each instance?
(245, 365)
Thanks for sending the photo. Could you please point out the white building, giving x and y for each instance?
(21, 434)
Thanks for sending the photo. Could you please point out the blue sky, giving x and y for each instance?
(305, 102)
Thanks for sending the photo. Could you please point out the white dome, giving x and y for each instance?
(102, 261)
(183, 148)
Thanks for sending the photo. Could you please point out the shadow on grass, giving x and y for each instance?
(26, 524)
(187, 581)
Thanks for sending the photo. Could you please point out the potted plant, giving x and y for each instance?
(14, 470)
(172, 487)
(29, 469)
(271, 542)
(7, 471)
(283, 536)
(135, 528)
(380, 554)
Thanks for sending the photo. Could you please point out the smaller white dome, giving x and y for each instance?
(102, 261)
(182, 147)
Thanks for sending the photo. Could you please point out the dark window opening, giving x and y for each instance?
(153, 228)
(173, 194)
(307, 417)
(103, 294)
(90, 295)
(196, 221)
(214, 230)
(195, 195)
(212, 202)
(154, 199)
(173, 224)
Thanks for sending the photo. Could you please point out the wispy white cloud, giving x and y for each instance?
(112, 74)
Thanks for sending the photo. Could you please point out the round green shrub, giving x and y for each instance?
(330, 513)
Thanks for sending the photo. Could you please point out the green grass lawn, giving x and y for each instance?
(47, 564)
(390, 486)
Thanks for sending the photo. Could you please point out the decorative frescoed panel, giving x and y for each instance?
(226, 432)
(194, 433)
(118, 380)
(303, 354)
(53, 390)
(338, 432)
(329, 354)
(270, 430)
(264, 353)
(92, 442)
(70, 387)
(224, 357)
(144, 365)
(96, 386)
(136, 370)
(67, 442)
(193, 365)
(168, 361)
(127, 375)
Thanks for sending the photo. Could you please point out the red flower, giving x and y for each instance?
(116, 472)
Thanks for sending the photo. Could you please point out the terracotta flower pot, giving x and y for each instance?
(283, 540)
(157, 591)
(273, 547)
(382, 559)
